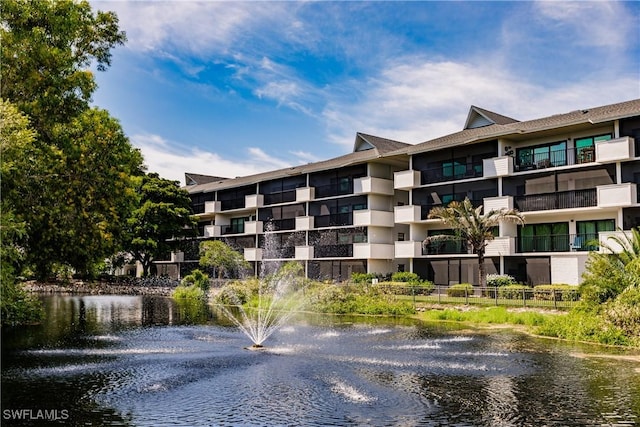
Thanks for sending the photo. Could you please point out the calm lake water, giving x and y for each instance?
(144, 361)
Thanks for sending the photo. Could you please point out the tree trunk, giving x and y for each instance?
(482, 272)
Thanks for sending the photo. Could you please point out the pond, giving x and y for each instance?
(144, 361)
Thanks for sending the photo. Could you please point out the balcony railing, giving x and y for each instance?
(233, 229)
(330, 251)
(334, 220)
(558, 243)
(281, 253)
(559, 200)
(283, 224)
(331, 190)
(555, 158)
(443, 247)
(280, 197)
(425, 209)
(227, 205)
(451, 173)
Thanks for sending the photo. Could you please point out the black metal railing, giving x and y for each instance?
(233, 229)
(334, 220)
(451, 173)
(559, 200)
(555, 158)
(444, 247)
(283, 224)
(280, 197)
(558, 243)
(226, 205)
(331, 190)
(425, 209)
(331, 251)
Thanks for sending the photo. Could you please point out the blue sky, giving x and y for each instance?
(236, 88)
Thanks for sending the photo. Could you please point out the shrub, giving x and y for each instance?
(197, 278)
(188, 292)
(357, 299)
(460, 290)
(238, 292)
(494, 280)
(405, 276)
(421, 287)
(362, 278)
(624, 311)
(582, 326)
(557, 292)
(513, 292)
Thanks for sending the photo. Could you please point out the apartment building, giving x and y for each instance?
(575, 177)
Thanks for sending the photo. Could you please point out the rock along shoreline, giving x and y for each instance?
(131, 287)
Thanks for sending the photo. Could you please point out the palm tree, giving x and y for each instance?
(471, 225)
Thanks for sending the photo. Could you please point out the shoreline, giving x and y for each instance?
(96, 288)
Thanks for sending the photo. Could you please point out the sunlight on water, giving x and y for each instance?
(349, 392)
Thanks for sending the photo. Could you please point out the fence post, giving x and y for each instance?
(466, 296)
(555, 302)
(524, 298)
(439, 290)
(495, 294)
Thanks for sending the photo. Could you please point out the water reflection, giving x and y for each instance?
(115, 360)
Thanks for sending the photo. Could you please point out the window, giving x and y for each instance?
(542, 156)
(587, 233)
(549, 237)
(585, 147)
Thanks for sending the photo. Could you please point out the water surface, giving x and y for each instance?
(143, 361)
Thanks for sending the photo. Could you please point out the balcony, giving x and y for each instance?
(558, 243)
(376, 218)
(227, 205)
(560, 200)
(408, 249)
(406, 214)
(373, 250)
(497, 203)
(253, 201)
(212, 207)
(500, 246)
(305, 194)
(331, 190)
(406, 180)
(451, 172)
(608, 244)
(334, 220)
(231, 229)
(304, 223)
(616, 195)
(304, 253)
(555, 158)
(252, 227)
(282, 224)
(615, 150)
(446, 247)
(497, 166)
(253, 254)
(280, 197)
(286, 252)
(372, 185)
(333, 251)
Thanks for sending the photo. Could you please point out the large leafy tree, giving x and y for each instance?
(76, 191)
(473, 227)
(162, 218)
(16, 139)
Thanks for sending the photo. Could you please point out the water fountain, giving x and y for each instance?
(280, 289)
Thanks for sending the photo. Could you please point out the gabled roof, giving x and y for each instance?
(479, 117)
(382, 145)
(574, 118)
(195, 179)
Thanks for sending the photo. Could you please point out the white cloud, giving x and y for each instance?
(414, 99)
(171, 161)
(591, 23)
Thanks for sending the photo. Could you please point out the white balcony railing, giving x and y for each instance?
(613, 195)
(407, 214)
(375, 218)
(406, 180)
(497, 166)
(615, 150)
(212, 207)
(373, 250)
(373, 185)
(253, 254)
(408, 249)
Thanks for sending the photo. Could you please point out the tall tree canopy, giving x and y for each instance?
(75, 187)
(474, 227)
(223, 258)
(162, 217)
